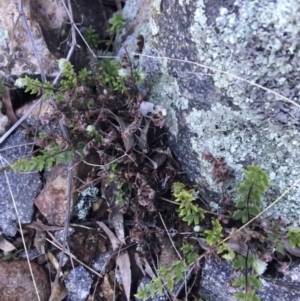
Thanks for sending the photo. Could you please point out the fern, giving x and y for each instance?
(214, 236)
(294, 237)
(188, 210)
(251, 191)
(47, 159)
(169, 276)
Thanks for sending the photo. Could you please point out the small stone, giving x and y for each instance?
(24, 186)
(78, 284)
(16, 282)
(101, 262)
(60, 236)
(197, 228)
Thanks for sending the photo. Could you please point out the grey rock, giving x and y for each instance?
(24, 186)
(60, 234)
(209, 110)
(78, 284)
(16, 52)
(100, 263)
(65, 259)
(217, 276)
(33, 253)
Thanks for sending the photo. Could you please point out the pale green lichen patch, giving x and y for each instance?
(154, 29)
(3, 35)
(166, 93)
(243, 139)
(259, 43)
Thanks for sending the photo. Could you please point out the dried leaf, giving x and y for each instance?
(43, 227)
(54, 262)
(108, 190)
(171, 158)
(127, 137)
(60, 292)
(122, 261)
(132, 127)
(144, 265)
(5, 245)
(153, 163)
(113, 239)
(117, 220)
(9, 111)
(159, 159)
(142, 139)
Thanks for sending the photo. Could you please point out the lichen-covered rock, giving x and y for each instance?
(212, 111)
(78, 284)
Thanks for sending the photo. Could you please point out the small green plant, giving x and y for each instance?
(69, 82)
(294, 237)
(227, 252)
(251, 192)
(275, 237)
(92, 37)
(188, 210)
(11, 255)
(92, 132)
(109, 75)
(116, 24)
(215, 235)
(52, 156)
(34, 86)
(249, 282)
(85, 76)
(169, 276)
